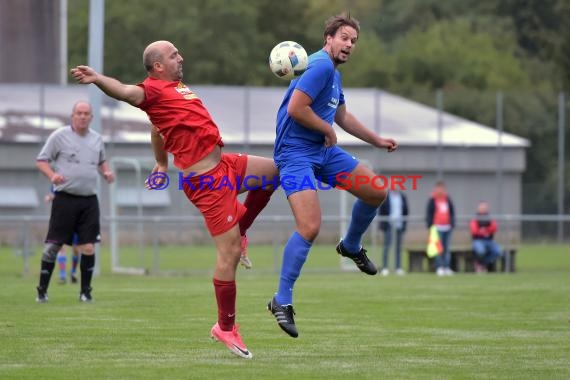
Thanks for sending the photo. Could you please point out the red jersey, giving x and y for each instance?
(186, 126)
(442, 215)
(482, 227)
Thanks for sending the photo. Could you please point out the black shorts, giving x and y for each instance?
(74, 214)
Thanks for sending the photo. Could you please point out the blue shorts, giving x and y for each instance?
(315, 172)
(75, 239)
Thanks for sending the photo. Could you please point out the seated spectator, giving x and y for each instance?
(483, 229)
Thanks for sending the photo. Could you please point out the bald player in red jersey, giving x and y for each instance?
(183, 127)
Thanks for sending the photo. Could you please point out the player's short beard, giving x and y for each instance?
(338, 61)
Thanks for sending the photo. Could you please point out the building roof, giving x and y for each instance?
(243, 114)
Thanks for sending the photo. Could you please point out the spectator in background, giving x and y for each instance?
(394, 210)
(440, 213)
(72, 158)
(483, 229)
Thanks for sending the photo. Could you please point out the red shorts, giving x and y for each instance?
(215, 192)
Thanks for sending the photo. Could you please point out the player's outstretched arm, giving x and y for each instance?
(353, 126)
(157, 142)
(131, 94)
(154, 180)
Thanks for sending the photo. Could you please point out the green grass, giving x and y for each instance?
(514, 326)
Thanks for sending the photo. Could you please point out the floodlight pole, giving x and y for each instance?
(246, 118)
(95, 60)
(95, 56)
(499, 174)
(377, 110)
(63, 42)
(439, 103)
(561, 156)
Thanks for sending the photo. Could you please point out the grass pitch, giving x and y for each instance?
(513, 326)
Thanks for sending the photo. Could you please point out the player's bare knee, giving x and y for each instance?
(380, 196)
(375, 198)
(50, 252)
(229, 259)
(309, 230)
(272, 185)
(87, 249)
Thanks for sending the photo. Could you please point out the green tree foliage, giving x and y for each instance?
(371, 65)
(403, 43)
(543, 35)
(397, 17)
(458, 53)
(78, 13)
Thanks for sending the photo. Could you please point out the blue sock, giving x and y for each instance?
(74, 262)
(362, 215)
(294, 256)
(61, 262)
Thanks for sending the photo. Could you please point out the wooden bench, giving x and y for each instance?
(462, 260)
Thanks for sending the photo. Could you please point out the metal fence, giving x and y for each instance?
(149, 237)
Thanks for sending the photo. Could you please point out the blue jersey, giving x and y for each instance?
(322, 83)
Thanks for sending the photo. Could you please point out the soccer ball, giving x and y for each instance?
(288, 60)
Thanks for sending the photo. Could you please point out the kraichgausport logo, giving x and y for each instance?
(341, 181)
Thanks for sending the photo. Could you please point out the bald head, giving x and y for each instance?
(81, 116)
(82, 106)
(163, 61)
(154, 52)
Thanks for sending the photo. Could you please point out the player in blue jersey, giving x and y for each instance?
(306, 152)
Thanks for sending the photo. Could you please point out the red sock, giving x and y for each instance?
(255, 201)
(226, 298)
